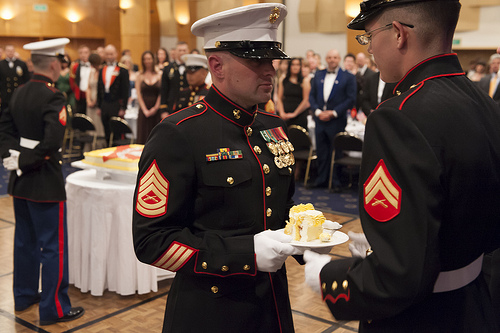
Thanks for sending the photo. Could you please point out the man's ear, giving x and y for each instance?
(401, 34)
(216, 64)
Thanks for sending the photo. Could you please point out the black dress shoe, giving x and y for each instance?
(73, 314)
(24, 307)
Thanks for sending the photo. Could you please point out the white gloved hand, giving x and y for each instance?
(314, 264)
(272, 248)
(12, 162)
(359, 244)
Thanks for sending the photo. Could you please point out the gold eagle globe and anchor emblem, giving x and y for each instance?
(275, 14)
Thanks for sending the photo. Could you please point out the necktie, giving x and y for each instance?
(493, 85)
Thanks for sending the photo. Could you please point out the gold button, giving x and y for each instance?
(334, 285)
(257, 150)
(266, 169)
(199, 106)
(191, 98)
(249, 131)
(323, 287)
(246, 267)
(15, 78)
(215, 289)
(8, 90)
(345, 284)
(230, 180)
(204, 265)
(269, 212)
(398, 92)
(225, 268)
(236, 113)
(268, 191)
(60, 162)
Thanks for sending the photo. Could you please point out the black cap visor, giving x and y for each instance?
(252, 50)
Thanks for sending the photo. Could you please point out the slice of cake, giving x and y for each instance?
(305, 223)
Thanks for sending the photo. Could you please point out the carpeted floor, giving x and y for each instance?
(345, 202)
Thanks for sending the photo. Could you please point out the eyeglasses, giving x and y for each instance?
(366, 38)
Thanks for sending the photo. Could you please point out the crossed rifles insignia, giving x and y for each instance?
(152, 195)
(382, 195)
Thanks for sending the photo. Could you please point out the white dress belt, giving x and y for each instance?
(28, 143)
(458, 278)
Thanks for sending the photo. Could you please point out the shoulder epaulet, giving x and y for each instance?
(166, 63)
(122, 65)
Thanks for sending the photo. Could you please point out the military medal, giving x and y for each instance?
(278, 144)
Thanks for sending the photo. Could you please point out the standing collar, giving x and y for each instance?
(228, 109)
(41, 78)
(436, 66)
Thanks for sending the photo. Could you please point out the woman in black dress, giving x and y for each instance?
(293, 95)
(148, 95)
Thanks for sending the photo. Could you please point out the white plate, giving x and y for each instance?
(338, 237)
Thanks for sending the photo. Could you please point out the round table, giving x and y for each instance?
(100, 248)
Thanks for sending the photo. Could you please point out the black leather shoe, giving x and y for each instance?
(73, 314)
(25, 307)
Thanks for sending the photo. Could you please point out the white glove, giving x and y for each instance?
(359, 244)
(12, 162)
(314, 264)
(271, 249)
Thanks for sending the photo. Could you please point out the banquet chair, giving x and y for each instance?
(82, 131)
(121, 133)
(346, 143)
(304, 150)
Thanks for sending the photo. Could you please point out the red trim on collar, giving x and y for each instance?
(417, 65)
(421, 84)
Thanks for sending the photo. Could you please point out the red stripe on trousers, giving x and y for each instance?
(61, 258)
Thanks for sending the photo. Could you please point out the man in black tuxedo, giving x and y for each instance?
(376, 91)
(362, 74)
(113, 88)
(13, 73)
(79, 80)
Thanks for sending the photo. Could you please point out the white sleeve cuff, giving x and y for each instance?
(317, 112)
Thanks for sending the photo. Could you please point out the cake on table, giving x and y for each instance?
(125, 158)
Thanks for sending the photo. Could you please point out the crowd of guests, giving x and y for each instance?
(101, 85)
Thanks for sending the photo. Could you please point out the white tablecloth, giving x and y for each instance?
(101, 254)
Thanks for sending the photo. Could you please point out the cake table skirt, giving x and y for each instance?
(100, 249)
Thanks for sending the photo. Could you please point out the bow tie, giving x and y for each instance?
(85, 64)
(332, 72)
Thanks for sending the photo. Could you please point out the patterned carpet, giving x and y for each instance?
(345, 202)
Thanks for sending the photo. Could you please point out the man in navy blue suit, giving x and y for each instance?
(333, 93)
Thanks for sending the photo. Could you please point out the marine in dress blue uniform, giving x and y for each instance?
(212, 177)
(196, 73)
(31, 132)
(430, 205)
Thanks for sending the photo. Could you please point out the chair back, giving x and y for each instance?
(119, 128)
(299, 137)
(347, 142)
(82, 122)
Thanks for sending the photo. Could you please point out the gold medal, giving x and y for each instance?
(290, 146)
(272, 148)
(284, 146)
(278, 162)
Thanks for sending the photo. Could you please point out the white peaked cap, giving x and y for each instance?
(244, 31)
(195, 60)
(50, 47)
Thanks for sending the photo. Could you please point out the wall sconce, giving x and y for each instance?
(125, 4)
(181, 12)
(73, 16)
(7, 14)
(352, 8)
